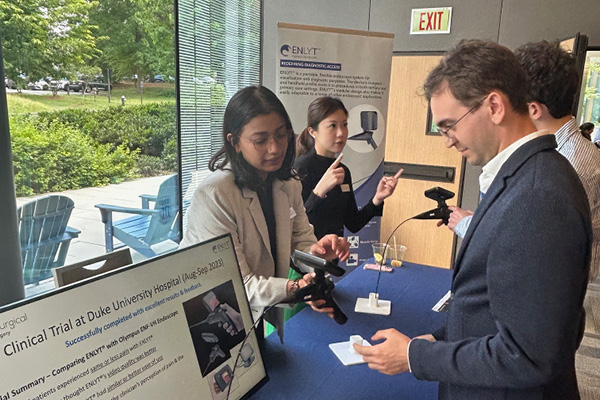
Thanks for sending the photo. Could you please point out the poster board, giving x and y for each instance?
(168, 328)
(354, 66)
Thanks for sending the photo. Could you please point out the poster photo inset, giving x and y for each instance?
(215, 324)
(365, 128)
(219, 382)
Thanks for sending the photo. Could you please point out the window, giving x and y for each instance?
(218, 54)
(112, 101)
(93, 119)
(589, 107)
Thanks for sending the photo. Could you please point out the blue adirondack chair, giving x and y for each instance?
(44, 236)
(148, 226)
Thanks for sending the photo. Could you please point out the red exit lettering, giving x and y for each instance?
(434, 21)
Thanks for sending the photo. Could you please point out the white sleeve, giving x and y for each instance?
(462, 226)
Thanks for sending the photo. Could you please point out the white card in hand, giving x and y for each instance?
(347, 355)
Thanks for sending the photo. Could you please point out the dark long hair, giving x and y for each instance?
(318, 110)
(248, 103)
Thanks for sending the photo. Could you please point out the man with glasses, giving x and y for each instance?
(552, 85)
(516, 315)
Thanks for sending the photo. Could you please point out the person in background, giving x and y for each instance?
(253, 194)
(553, 84)
(586, 130)
(326, 182)
(516, 316)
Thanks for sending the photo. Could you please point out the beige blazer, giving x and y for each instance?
(220, 207)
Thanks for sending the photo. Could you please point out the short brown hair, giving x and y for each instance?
(552, 76)
(474, 68)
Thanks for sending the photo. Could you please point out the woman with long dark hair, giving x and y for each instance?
(254, 195)
(326, 182)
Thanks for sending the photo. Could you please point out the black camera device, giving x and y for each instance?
(441, 212)
(321, 287)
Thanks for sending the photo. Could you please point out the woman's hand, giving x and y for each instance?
(386, 187)
(331, 178)
(297, 284)
(330, 247)
(315, 305)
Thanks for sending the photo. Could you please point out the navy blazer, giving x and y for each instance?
(516, 316)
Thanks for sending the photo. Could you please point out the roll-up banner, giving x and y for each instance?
(169, 328)
(353, 66)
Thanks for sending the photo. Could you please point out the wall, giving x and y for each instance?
(470, 19)
(533, 20)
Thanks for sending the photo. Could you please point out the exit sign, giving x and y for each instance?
(430, 20)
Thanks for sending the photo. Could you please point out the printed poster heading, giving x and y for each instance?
(425, 21)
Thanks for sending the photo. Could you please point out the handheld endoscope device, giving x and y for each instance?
(321, 287)
(441, 211)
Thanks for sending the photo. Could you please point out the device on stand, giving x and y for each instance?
(372, 304)
(368, 121)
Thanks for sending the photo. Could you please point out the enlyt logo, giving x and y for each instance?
(217, 248)
(292, 50)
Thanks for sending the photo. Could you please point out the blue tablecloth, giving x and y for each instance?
(305, 368)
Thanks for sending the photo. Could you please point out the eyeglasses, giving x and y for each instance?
(263, 143)
(444, 132)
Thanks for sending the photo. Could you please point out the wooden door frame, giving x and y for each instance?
(460, 177)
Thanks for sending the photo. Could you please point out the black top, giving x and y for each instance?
(265, 196)
(338, 209)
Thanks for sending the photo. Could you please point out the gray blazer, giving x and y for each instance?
(220, 207)
(516, 316)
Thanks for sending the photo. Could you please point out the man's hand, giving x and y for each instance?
(455, 216)
(331, 247)
(428, 337)
(386, 187)
(388, 357)
(331, 178)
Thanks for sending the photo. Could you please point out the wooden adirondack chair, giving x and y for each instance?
(44, 235)
(148, 226)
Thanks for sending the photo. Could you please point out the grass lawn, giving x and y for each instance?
(20, 103)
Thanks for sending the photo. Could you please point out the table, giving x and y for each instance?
(305, 368)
